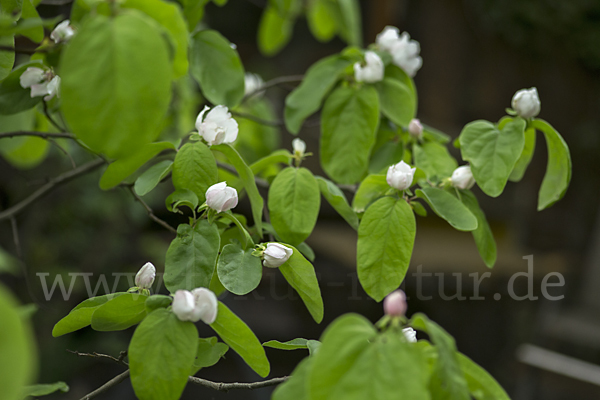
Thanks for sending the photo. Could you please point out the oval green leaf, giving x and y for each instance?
(238, 270)
(397, 101)
(81, 315)
(370, 189)
(434, 159)
(195, 169)
(152, 177)
(120, 312)
(449, 208)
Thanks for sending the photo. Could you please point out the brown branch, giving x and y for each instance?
(113, 382)
(225, 387)
(48, 187)
(43, 135)
(150, 212)
(98, 355)
(258, 120)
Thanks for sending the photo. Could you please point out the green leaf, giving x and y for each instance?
(18, 363)
(45, 389)
(274, 31)
(293, 344)
(24, 152)
(116, 82)
(13, 97)
(484, 238)
(247, 177)
(36, 33)
(306, 251)
(246, 238)
(279, 156)
(119, 170)
(382, 157)
(433, 134)
(294, 202)
(482, 385)
(7, 58)
(397, 101)
(209, 353)
(193, 10)
(169, 16)
(239, 271)
(321, 20)
(386, 236)
(523, 162)
(336, 198)
(195, 169)
(81, 315)
(217, 68)
(152, 177)
(161, 355)
(295, 388)
(241, 339)
(347, 14)
(157, 301)
(491, 152)
(300, 274)
(342, 344)
(192, 256)
(449, 208)
(558, 171)
(181, 197)
(370, 189)
(451, 382)
(348, 127)
(434, 159)
(308, 96)
(120, 312)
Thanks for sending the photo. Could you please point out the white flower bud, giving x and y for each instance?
(415, 129)
(41, 82)
(145, 276)
(62, 32)
(252, 83)
(221, 197)
(462, 177)
(400, 176)
(410, 334)
(183, 305)
(388, 36)
(218, 126)
(526, 103)
(394, 304)
(299, 147)
(405, 54)
(276, 254)
(372, 71)
(205, 305)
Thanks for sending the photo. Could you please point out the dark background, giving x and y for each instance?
(476, 55)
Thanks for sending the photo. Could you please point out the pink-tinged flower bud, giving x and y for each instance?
(206, 304)
(221, 197)
(218, 126)
(276, 254)
(462, 177)
(145, 276)
(183, 305)
(394, 304)
(410, 334)
(415, 129)
(526, 103)
(400, 176)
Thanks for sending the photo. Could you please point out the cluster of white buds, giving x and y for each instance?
(405, 52)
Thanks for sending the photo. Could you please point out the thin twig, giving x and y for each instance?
(256, 119)
(150, 212)
(113, 382)
(99, 355)
(43, 135)
(21, 50)
(273, 82)
(225, 387)
(52, 183)
(65, 152)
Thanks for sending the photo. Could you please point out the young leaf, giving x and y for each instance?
(13, 97)
(161, 355)
(81, 315)
(120, 312)
(336, 198)
(492, 153)
(397, 101)
(195, 169)
(293, 344)
(44, 389)
(482, 385)
(192, 256)
(449, 208)
(274, 31)
(279, 156)
(209, 353)
(370, 189)
(347, 14)
(300, 274)
(523, 162)
(217, 67)
(238, 270)
(181, 197)
(157, 301)
(294, 202)
(119, 170)
(116, 82)
(484, 238)
(308, 96)
(241, 339)
(348, 126)
(7, 58)
(247, 177)
(558, 172)
(386, 236)
(152, 177)
(321, 20)
(434, 159)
